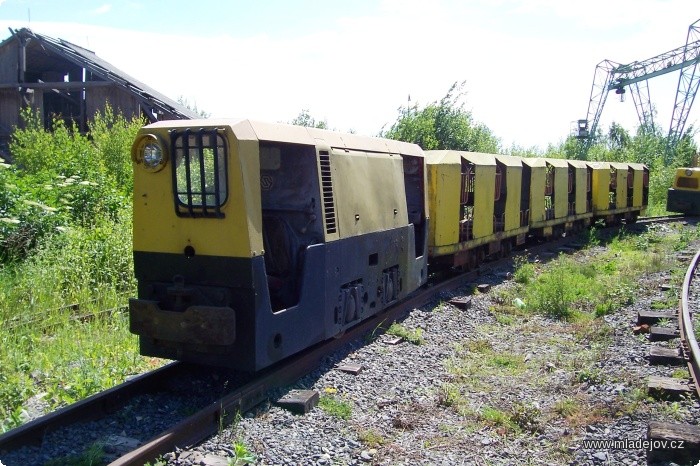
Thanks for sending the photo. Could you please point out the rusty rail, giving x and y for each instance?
(687, 331)
(212, 418)
(93, 407)
(208, 421)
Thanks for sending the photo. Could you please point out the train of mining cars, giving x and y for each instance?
(253, 241)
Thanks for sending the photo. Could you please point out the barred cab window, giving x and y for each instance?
(199, 173)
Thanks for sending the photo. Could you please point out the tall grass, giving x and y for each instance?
(600, 284)
(66, 266)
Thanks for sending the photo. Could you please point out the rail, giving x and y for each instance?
(687, 331)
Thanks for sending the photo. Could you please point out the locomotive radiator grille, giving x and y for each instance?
(324, 161)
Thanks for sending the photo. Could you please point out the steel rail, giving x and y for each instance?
(212, 418)
(685, 323)
(93, 407)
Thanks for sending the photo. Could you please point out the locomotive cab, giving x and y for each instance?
(253, 241)
(684, 194)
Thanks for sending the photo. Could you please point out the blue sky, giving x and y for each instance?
(528, 64)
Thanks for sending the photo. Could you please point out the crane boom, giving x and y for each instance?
(610, 75)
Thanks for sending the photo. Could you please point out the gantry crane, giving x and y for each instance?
(610, 75)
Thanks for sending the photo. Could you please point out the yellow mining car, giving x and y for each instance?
(475, 206)
(620, 191)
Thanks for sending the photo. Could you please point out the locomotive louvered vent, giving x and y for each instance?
(327, 187)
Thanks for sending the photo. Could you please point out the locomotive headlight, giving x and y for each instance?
(151, 152)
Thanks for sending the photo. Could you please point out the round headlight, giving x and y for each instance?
(152, 155)
(151, 152)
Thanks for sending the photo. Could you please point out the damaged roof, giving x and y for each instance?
(84, 58)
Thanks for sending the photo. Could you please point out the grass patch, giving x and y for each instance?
(496, 418)
(69, 344)
(335, 407)
(414, 336)
(371, 438)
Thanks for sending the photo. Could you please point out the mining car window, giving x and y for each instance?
(199, 172)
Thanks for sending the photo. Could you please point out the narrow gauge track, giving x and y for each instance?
(689, 344)
(243, 394)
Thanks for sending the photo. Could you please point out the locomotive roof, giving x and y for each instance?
(245, 129)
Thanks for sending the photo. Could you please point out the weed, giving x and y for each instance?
(526, 417)
(497, 418)
(414, 336)
(506, 360)
(566, 407)
(592, 236)
(371, 336)
(371, 438)
(448, 394)
(505, 319)
(604, 308)
(335, 407)
(241, 454)
(480, 346)
(524, 271)
(664, 323)
(591, 376)
(158, 462)
(672, 409)
(93, 456)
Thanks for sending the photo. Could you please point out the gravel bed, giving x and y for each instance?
(401, 413)
(442, 402)
(120, 432)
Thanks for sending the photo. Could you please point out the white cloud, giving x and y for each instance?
(523, 84)
(104, 9)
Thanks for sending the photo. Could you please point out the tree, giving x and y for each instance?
(305, 119)
(443, 125)
(182, 100)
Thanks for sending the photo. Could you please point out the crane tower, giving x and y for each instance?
(610, 76)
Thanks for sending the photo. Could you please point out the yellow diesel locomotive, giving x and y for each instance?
(684, 195)
(253, 241)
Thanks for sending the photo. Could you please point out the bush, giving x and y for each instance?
(62, 178)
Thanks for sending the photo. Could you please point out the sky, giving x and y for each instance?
(527, 65)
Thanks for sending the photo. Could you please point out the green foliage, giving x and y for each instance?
(551, 294)
(335, 407)
(182, 100)
(524, 271)
(305, 119)
(241, 454)
(526, 417)
(414, 336)
(497, 418)
(65, 264)
(648, 145)
(443, 125)
(62, 178)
